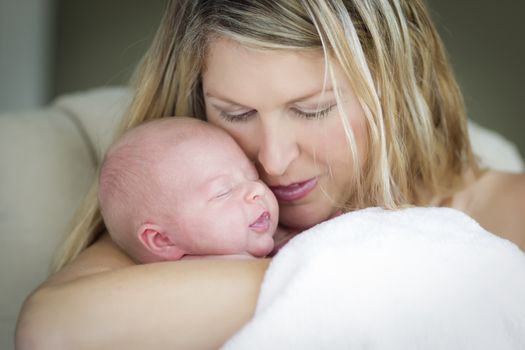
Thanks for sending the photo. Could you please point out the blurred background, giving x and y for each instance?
(52, 47)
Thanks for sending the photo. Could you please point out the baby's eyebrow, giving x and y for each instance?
(209, 184)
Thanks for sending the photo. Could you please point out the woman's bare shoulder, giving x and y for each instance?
(497, 201)
(103, 255)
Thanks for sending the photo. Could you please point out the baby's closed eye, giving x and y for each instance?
(223, 193)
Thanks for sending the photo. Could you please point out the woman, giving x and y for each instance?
(340, 104)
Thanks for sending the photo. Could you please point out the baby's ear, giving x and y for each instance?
(158, 242)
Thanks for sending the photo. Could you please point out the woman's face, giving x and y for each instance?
(267, 100)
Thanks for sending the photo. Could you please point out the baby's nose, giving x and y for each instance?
(255, 191)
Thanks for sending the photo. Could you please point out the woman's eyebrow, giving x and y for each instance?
(223, 99)
(309, 96)
(305, 97)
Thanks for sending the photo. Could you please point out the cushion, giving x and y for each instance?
(49, 159)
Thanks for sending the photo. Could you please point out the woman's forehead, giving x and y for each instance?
(245, 75)
(222, 51)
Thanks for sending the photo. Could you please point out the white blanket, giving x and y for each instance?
(409, 279)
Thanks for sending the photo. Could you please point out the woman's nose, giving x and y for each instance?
(278, 147)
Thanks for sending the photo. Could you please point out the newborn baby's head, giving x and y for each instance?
(179, 186)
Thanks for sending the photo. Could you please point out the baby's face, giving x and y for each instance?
(224, 208)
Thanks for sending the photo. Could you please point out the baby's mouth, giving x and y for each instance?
(262, 224)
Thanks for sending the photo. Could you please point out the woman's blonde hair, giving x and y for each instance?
(390, 52)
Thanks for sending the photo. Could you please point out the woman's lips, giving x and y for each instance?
(294, 191)
(262, 224)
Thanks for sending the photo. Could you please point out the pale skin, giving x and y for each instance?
(209, 200)
(191, 299)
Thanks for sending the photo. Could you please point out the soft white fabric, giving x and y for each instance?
(409, 279)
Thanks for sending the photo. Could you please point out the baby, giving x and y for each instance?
(177, 188)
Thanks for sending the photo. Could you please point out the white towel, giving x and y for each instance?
(420, 278)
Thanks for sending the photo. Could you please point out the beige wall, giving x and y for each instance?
(25, 53)
(100, 41)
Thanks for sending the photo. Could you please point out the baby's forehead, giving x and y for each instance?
(199, 151)
(195, 144)
(173, 134)
(182, 150)
(193, 175)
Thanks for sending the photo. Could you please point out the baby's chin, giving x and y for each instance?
(262, 246)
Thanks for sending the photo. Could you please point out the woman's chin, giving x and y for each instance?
(303, 217)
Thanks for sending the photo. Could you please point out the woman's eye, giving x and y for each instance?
(232, 118)
(316, 114)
